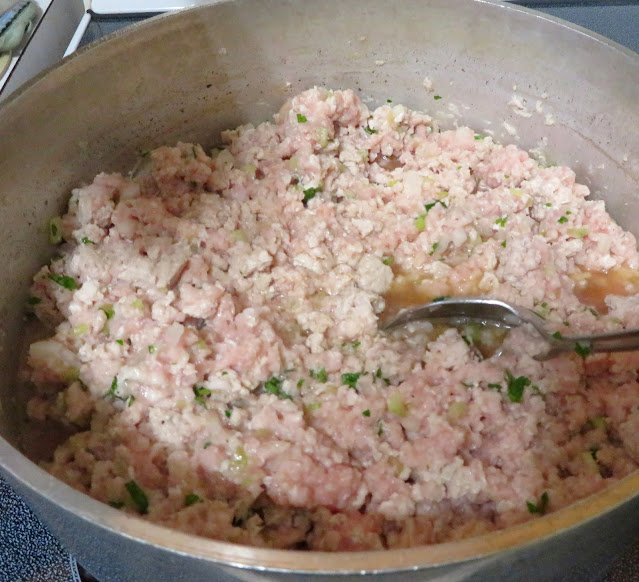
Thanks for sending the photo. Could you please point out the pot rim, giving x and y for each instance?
(40, 483)
(224, 553)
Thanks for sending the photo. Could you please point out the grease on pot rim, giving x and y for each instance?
(214, 338)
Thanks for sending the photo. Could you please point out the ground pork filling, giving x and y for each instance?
(214, 342)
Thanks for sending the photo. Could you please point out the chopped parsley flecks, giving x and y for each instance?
(33, 300)
(435, 247)
(562, 220)
(437, 97)
(274, 386)
(478, 136)
(503, 243)
(319, 375)
(301, 118)
(151, 349)
(501, 221)
(201, 394)
(86, 240)
(207, 444)
(119, 341)
(366, 412)
(388, 260)
(583, 349)
(113, 390)
(228, 413)
(55, 230)
(370, 130)
(389, 100)
(309, 194)
(593, 452)
(541, 506)
(440, 298)
(557, 335)
(494, 386)
(516, 386)
(138, 496)
(350, 379)
(130, 400)
(68, 283)
(540, 314)
(108, 310)
(379, 375)
(432, 205)
(300, 382)
(191, 498)
(420, 222)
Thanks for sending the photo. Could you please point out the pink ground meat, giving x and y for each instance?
(214, 341)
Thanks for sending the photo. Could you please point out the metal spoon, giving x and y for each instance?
(463, 310)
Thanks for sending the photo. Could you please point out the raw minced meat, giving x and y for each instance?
(216, 343)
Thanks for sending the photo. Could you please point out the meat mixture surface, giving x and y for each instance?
(214, 346)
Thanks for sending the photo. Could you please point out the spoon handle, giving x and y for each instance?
(622, 341)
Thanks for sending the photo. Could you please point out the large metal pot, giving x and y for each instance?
(189, 75)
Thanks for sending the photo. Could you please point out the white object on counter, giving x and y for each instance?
(141, 6)
(79, 34)
(47, 44)
(43, 4)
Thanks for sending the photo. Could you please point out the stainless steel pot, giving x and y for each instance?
(189, 75)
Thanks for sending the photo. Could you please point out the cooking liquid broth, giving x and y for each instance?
(592, 287)
(409, 290)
